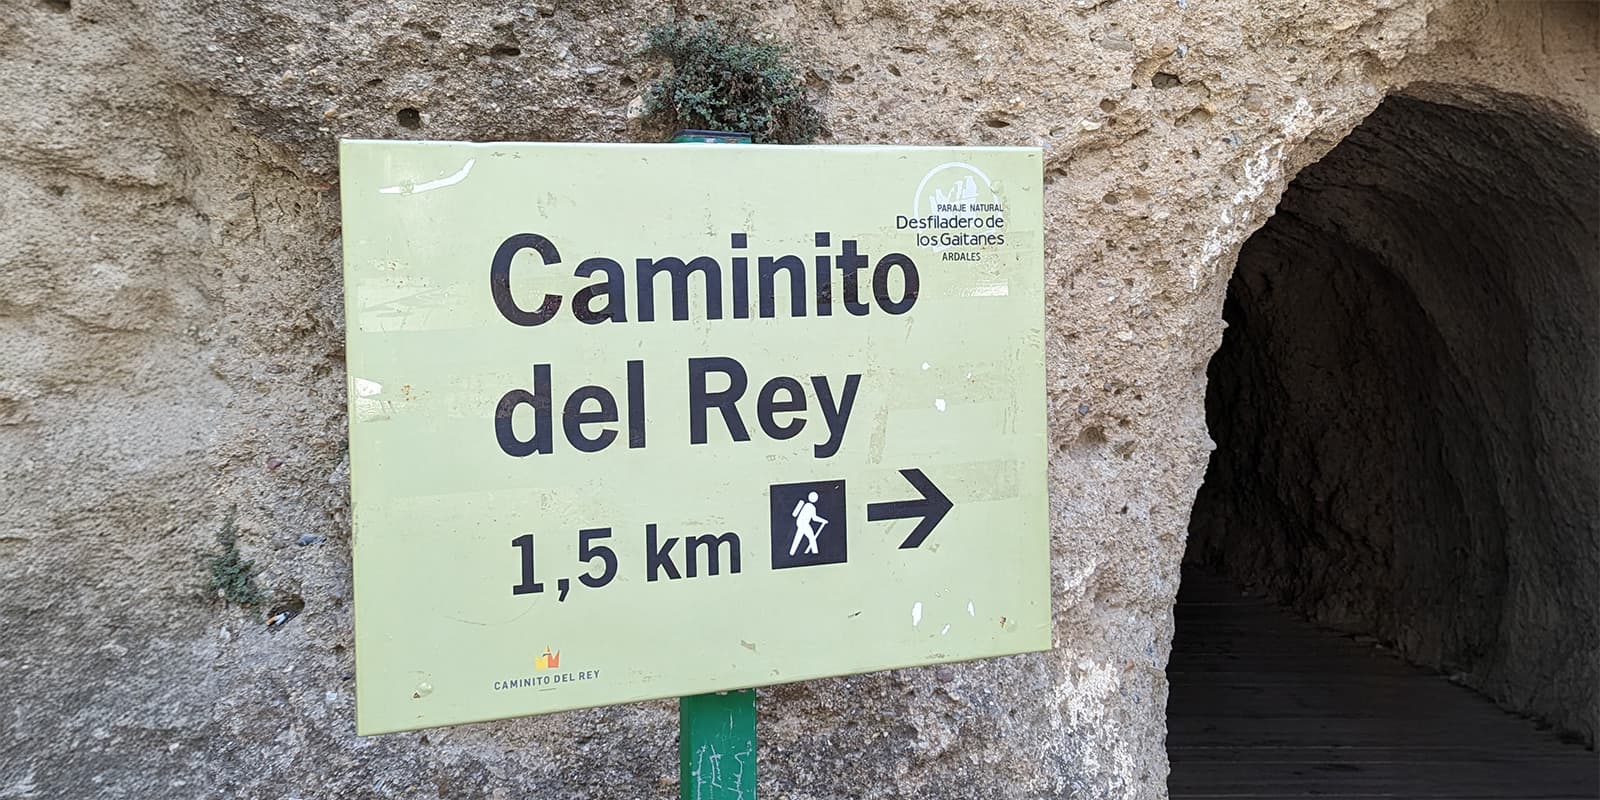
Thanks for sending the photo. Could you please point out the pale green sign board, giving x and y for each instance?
(643, 421)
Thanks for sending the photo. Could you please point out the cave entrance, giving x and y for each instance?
(1405, 496)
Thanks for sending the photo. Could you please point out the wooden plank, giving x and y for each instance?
(1184, 730)
(1243, 647)
(1321, 795)
(1314, 673)
(1416, 752)
(1265, 664)
(1462, 779)
(1265, 705)
(1396, 696)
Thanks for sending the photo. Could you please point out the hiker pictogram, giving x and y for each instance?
(805, 513)
(808, 524)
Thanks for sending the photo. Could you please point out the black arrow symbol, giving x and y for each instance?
(932, 508)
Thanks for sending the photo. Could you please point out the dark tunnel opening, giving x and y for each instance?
(1406, 403)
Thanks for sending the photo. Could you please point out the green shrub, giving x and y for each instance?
(232, 576)
(726, 79)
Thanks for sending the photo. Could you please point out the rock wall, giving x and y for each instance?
(1407, 399)
(171, 350)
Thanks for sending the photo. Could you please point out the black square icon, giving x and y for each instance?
(808, 524)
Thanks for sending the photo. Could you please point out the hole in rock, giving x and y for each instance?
(286, 610)
(1401, 519)
(1194, 116)
(1165, 80)
(409, 118)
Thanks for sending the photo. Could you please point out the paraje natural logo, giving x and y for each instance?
(956, 205)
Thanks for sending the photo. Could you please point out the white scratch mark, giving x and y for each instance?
(459, 176)
(366, 388)
(738, 776)
(945, 631)
(916, 614)
(939, 403)
(990, 290)
(971, 612)
(714, 781)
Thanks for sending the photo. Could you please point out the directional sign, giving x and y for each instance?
(929, 509)
(642, 421)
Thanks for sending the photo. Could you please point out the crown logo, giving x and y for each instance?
(548, 661)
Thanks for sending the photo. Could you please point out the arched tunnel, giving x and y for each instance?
(1406, 407)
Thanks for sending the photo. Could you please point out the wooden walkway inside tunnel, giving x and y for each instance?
(1266, 705)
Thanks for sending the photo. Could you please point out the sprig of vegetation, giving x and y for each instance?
(232, 575)
(727, 79)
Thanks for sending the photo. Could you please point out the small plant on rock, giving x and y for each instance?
(726, 79)
(233, 577)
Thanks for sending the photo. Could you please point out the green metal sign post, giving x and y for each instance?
(717, 746)
(717, 731)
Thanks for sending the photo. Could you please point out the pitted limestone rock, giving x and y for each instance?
(171, 347)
